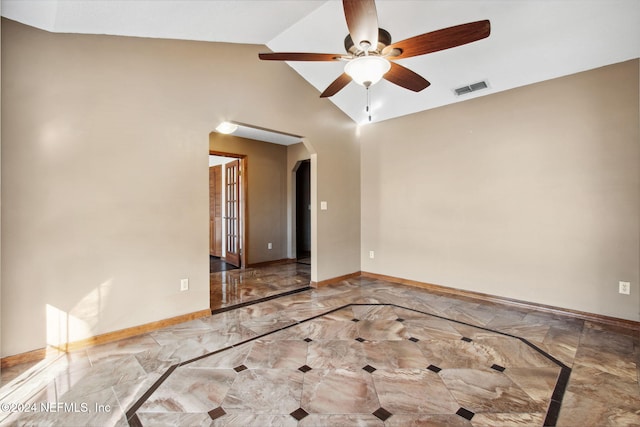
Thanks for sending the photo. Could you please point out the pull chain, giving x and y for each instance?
(369, 104)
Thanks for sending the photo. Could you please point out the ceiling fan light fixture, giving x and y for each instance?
(367, 70)
(227, 128)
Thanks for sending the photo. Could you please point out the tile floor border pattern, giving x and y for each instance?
(551, 416)
(256, 301)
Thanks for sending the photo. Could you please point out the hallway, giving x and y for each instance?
(239, 287)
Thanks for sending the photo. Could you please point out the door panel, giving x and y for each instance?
(232, 212)
(215, 211)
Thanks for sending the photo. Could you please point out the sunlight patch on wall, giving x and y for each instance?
(80, 322)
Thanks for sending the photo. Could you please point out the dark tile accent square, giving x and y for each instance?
(465, 413)
(355, 320)
(498, 367)
(382, 414)
(299, 414)
(240, 368)
(308, 339)
(434, 368)
(414, 339)
(400, 319)
(466, 339)
(369, 369)
(217, 413)
(360, 339)
(304, 368)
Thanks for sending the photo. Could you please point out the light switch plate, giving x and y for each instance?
(323, 206)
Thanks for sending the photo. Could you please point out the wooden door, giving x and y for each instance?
(232, 212)
(215, 211)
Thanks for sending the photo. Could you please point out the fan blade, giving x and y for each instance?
(406, 78)
(336, 86)
(440, 39)
(362, 21)
(292, 56)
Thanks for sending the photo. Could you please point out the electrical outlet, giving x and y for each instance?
(624, 288)
(269, 245)
(184, 284)
(372, 254)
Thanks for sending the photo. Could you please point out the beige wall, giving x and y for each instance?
(104, 174)
(266, 194)
(530, 194)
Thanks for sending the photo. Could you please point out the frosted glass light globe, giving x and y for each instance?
(367, 70)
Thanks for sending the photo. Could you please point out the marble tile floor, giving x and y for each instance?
(243, 286)
(216, 264)
(364, 352)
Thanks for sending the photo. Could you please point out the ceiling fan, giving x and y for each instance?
(371, 54)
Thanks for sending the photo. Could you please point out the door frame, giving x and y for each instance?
(244, 212)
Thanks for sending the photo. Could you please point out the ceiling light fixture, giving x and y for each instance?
(227, 128)
(367, 70)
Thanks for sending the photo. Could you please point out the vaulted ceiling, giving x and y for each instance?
(530, 41)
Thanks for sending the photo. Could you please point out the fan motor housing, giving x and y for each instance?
(384, 40)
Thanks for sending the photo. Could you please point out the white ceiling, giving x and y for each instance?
(530, 41)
